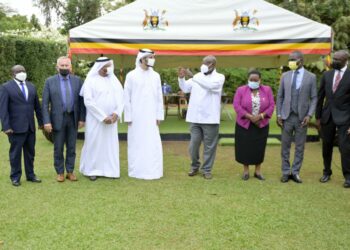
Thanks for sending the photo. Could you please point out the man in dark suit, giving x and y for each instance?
(63, 114)
(18, 101)
(333, 115)
(296, 104)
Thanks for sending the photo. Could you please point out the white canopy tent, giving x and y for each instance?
(241, 33)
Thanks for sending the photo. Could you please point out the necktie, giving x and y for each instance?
(294, 82)
(23, 90)
(337, 81)
(68, 95)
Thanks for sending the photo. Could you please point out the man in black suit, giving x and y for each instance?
(18, 101)
(333, 115)
(63, 114)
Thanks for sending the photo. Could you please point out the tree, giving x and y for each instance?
(335, 13)
(47, 6)
(78, 12)
(35, 22)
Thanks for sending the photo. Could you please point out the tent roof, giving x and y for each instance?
(239, 32)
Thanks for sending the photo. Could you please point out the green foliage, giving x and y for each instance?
(335, 13)
(14, 22)
(37, 56)
(35, 22)
(78, 12)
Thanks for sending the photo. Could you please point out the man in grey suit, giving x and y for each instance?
(296, 104)
(63, 113)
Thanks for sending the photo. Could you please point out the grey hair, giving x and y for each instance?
(62, 58)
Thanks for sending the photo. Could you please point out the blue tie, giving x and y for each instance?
(294, 82)
(23, 90)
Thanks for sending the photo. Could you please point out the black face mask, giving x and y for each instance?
(336, 65)
(64, 72)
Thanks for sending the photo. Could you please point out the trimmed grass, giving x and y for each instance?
(176, 212)
(173, 124)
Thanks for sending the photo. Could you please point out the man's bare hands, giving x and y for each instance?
(8, 132)
(48, 127)
(181, 72)
(279, 122)
(113, 118)
(81, 124)
(306, 121)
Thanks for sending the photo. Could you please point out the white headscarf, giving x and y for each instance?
(142, 54)
(94, 76)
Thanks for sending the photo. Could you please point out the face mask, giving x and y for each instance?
(150, 62)
(204, 69)
(110, 70)
(22, 76)
(64, 72)
(253, 85)
(336, 65)
(293, 65)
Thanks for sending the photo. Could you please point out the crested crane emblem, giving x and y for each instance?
(245, 21)
(155, 20)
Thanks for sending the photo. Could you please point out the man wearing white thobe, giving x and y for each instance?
(143, 112)
(203, 113)
(103, 98)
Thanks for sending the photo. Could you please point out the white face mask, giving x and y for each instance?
(110, 70)
(204, 68)
(22, 76)
(151, 62)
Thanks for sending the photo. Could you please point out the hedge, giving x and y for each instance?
(37, 56)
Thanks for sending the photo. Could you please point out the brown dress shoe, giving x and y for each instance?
(71, 177)
(60, 178)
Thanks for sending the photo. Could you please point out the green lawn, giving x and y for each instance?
(176, 212)
(173, 124)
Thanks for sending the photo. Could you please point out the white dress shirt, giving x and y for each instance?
(205, 100)
(20, 87)
(342, 71)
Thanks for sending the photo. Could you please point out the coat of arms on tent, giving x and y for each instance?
(155, 20)
(245, 21)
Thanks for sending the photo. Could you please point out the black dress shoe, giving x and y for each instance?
(93, 178)
(193, 172)
(245, 177)
(259, 177)
(347, 184)
(285, 178)
(35, 180)
(16, 183)
(296, 178)
(325, 178)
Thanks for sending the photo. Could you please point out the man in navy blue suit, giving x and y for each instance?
(18, 101)
(63, 115)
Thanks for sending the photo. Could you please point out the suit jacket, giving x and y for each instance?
(53, 107)
(242, 103)
(16, 112)
(335, 104)
(307, 95)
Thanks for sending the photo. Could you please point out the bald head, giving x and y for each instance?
(340, 59)
(209, 60)
(17, 69)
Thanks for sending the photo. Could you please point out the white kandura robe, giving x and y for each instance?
(100, 153)
(143, 107)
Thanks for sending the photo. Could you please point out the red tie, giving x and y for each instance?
(337, 81)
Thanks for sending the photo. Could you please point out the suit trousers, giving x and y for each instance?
(292, 129)
(22, 142)
(67, 135)
(328, 132)
(209, 134)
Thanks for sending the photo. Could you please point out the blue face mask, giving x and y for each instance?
(253, 85)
